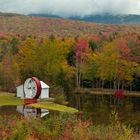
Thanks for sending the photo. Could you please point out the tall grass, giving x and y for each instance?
(64, 127)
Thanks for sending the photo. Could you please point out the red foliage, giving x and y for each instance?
(81, 49)
(2, 34)
(67, 134)
(124, 49)
(106, 34)
(96, 38)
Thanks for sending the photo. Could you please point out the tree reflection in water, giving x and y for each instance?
(99, 107)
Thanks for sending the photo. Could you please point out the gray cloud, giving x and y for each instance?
(67, 8)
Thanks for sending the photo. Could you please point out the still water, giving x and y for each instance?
(94, 107)
(26, 111)
(99, 107)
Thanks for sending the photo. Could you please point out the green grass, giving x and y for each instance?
(9, 99)
(54, 106)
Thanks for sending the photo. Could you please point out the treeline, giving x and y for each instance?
(99, 61)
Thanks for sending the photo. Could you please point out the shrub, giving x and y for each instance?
(20, 132)
(64, 126)
(60, 99)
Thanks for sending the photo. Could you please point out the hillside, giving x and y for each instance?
(106, 18)
(106, 55)
(10, 14)
(44, 26)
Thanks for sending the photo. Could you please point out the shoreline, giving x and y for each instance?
(9, 99)
(104, 92)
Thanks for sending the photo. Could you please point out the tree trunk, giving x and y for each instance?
(110, 84)
(102, 84)
(122, 84)
(115, 87)
(130, 86)
(78, 77)
(99, 83)
(118, 84)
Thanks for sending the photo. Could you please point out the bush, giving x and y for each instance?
(60, 99)
(64, 126)
(21, 131)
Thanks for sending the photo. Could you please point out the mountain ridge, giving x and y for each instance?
(10, 14)
(46, 26)
(106, 18)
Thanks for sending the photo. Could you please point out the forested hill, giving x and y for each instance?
(106, 18)
(44, 26)
(67, 54)
(10, 14)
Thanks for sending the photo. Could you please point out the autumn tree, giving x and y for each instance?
(81, 53)
(46, 60)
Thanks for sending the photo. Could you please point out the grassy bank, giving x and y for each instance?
(10, 99)
(54, 106)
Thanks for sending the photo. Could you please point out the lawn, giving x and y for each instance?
(10, 99)
(54, 106)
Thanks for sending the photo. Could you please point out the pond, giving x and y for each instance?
(99, 107)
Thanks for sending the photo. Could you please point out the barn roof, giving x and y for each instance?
(19, 86)
(43, 85)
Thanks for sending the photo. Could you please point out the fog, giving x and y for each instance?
(66, 8)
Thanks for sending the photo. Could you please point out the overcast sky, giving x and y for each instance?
(66, 8)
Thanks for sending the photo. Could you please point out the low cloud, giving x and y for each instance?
(66, 8)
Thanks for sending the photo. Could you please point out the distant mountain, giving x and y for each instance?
(107, 18)
(45, 15)
(110, 19)
(10, 14)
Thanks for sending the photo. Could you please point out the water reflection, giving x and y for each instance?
(8, 110)
(30, 112)
(99, 107)
(26, 111)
